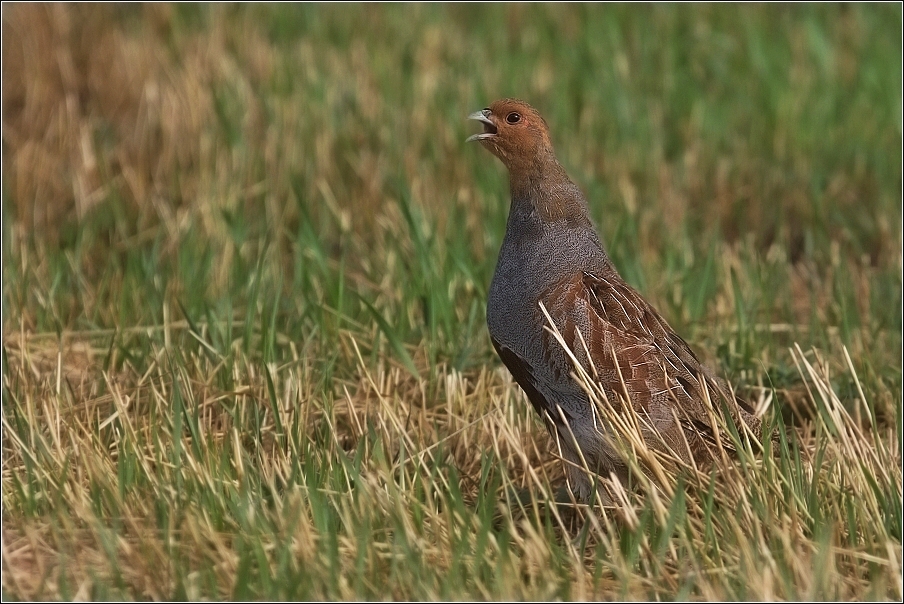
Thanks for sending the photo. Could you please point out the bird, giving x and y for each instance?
(557, 307)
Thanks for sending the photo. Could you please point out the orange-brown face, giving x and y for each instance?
(513, 131)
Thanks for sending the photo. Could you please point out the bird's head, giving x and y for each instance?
(514, 132)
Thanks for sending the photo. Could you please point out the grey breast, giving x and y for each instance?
(534, 256)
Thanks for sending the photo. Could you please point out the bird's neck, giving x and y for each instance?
(542, 189)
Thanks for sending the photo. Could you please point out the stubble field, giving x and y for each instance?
(246, 254)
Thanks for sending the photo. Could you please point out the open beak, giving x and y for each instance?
(489, 128)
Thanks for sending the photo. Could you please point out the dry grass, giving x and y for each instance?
(98, 494)
(245, 263)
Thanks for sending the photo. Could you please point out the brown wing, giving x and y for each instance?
(658, 368)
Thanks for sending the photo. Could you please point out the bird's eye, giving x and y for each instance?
(513, 118)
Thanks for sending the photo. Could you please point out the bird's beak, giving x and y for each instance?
(489, 128)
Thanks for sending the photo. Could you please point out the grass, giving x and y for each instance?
(246, 255)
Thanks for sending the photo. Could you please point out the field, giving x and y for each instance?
(246, 255)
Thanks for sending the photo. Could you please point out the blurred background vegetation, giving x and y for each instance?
(254, 183)
(170, 136)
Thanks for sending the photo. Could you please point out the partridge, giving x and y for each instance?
(552, 267)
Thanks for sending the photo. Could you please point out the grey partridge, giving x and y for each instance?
(552, 261)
